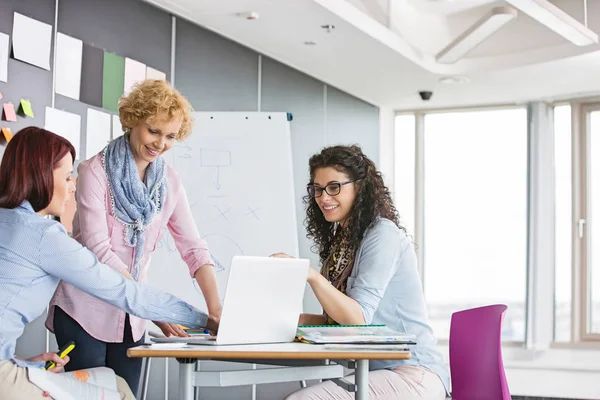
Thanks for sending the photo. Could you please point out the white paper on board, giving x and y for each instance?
(135, 72)
(32, 40)
(65, 124)
(117, 129)
(152, 73)
(69, 52)
(97, 132)
(4, 50)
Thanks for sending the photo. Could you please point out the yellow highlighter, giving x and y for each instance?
(62, 352)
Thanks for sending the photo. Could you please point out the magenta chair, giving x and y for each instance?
(476, 367)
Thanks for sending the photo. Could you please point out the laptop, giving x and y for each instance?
(262, 303)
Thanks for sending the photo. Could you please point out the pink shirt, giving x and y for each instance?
(95, 227)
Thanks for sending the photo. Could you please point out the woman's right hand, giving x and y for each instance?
(60, 362)
(170, 329)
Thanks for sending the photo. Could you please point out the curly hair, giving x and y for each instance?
(153, 98)
(372, 200)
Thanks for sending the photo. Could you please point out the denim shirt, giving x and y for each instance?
(36, 253)
(386, 284)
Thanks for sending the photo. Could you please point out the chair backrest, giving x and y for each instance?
(476, 367)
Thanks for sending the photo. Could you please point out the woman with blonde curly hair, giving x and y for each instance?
(126, 196)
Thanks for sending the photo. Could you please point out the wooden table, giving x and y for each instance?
(276, 354)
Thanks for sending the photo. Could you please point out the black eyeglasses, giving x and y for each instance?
(332, 189)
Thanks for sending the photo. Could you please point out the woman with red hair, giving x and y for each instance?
(36, 253)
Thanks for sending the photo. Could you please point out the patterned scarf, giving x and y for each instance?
(338, 266)
(134, 202)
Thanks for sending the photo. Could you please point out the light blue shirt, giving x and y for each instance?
(386, 284)
(36, 253)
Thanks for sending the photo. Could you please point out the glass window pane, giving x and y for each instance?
(594, 217)
(563, 224)
(475, 249)
(404, 191)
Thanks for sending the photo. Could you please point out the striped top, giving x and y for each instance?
(36, 253)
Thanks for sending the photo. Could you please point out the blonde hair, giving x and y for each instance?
(152, 98)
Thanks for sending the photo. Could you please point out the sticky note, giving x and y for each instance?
(26, 108)
(1, 96)
(9, 112)
(7, 134)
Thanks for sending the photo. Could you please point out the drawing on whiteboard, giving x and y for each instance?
(222, 213)
(253, 212)
(217, 159)
(222, 249)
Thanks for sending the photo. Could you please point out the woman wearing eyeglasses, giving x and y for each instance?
(368, 275)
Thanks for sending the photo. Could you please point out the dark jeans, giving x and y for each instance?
(90, 352)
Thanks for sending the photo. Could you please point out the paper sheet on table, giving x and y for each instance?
(69, 53)
(97, 132)
(32, 40)
(90, 384)
(65, 124)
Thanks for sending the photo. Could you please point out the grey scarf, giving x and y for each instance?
(134, 202)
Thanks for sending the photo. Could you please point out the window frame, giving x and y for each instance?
(580, 107)
(582, 129)
(419, 202)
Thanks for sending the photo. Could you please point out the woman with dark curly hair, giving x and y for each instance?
(126, 196)
(369, 274)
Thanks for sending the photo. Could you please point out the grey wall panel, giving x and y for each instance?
(129, 28)
(285, 89)
(352, 121)
(25, 80)
(214, 73)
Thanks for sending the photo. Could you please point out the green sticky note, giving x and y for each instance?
(26, 108)
(113, 81)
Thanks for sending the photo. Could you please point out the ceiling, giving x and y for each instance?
(383, 51)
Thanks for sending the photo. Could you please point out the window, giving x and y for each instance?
(404, 192)
(563, 223)
(592, 128)
(475, 211)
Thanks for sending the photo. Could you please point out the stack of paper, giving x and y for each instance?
(368, 334)
(92, 384)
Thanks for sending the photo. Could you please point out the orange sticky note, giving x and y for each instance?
(7, 134)
(9, 112)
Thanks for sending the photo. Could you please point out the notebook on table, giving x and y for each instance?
(353, 334)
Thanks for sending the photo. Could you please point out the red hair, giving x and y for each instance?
(26, 172)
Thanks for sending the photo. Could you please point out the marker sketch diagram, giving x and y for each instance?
(216, 159)
(222, 249)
